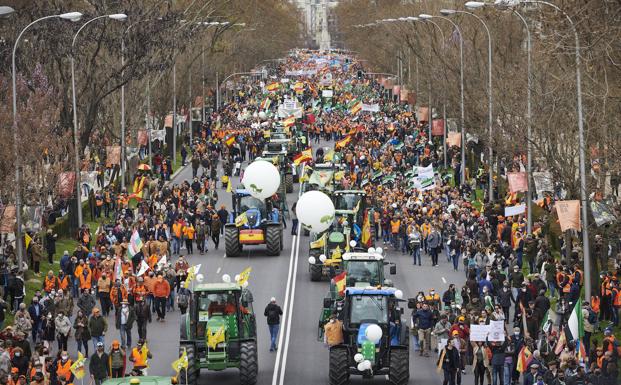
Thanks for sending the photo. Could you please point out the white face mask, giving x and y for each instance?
(64, 358)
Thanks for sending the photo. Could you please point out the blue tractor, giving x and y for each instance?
(252, 222)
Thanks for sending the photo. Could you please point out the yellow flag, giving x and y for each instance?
(27, 240)
(77, 368)
(318, 243)
(339, 175)
(241, 220)
(144, 353)
(329, 156)
(229, 186)
(243, 276)
(213, 339)
(181, 362)
(336, 254)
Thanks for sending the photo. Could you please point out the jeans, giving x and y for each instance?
(160, 307)
(552, 288)
(126, 335)
(294, 226)
(83, 343)
(434, 255)
(456, 257)
(416, 254)
(415, 344)
(176, 245)
(273, 335)
(96, 340)
(497, 373)
(507, 369)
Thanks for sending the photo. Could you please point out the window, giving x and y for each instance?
(368, 308)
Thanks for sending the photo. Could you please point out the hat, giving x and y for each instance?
(115, 344)
(65, 252)
(100, 344)
(455, 333)
(534, 366)
(272, 299)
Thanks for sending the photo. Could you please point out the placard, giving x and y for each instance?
(497, 331)
(518, 181)
(515, 210)
(327, 93)
(479, 332)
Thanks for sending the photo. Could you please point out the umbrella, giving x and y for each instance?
(144, 167)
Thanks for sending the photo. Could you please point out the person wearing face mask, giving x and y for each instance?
(125, 319)
(98, 326)
(505, 298)
(118, 294)
(48, 330)
(82, 332)
(20, 361)
(63, 327)
(98, 365)
(161, 291)
(103, 288)
(62, 368)
(35, 310)
(86, 302)
(117, 360)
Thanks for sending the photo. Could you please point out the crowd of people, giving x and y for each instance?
(510, 275)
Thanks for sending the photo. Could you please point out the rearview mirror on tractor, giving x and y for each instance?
(411, 303)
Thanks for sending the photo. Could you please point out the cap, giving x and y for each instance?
(273, 299)
(534, 366)
(455, 333)
(115, 343)
(100, 344)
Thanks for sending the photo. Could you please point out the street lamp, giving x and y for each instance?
(72, 16)
(583, 187)
(5, 11)
(450, 12)
(116, 16)
(461, 89)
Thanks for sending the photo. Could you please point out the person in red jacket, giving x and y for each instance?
(161, 291)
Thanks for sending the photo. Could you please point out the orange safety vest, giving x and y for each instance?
(581, 276)
(85, 282)
(64, 283)
(99, 201)
(50, 284)
(177, 228)
(139, 358)
(394, 226)
(64, 370)
(595, 304)
(188, 231)
(616, 299)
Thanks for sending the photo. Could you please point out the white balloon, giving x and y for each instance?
(312, 260)
(398, 294)
(323, 258)
(200, 277)
(236, 277)
(373, 333)
(352, 243)
(362, 367)
(262, 115)
(371, 250)
(367, 364)
(379, 250)
(315, 210)
(262, 179)
(226, 278)
(358, 357)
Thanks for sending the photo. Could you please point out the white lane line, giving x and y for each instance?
(218, 271)
(285, 306)
(443, 279)
(288, 339)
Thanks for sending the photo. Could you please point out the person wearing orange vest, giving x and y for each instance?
(84, 275)
(161, 291)
(140, 291)
(395, 224)
(50, 283)
(188, 233)
(118, 294)
(610, 343)
(62, 281)
(140, 357)
(63, 367)
(606, 299)
(177, 233)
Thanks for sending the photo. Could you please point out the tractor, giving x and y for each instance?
(350, 206)
(262, 225)
(219, 331)
(277, 153)
(142, 380)
(359, 354)
(330, 245)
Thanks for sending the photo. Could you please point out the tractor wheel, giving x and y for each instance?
(231, 241)
(315, 272)
(339, 366)
(399, 370)
(272, 239)
(289, 183)
(248, 364)
(192, 372)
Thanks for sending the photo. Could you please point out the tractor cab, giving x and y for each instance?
(256, 209)
(218, 328)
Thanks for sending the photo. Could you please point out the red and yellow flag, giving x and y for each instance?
(356, 108)
(290, 121)
(343, 142)
(272, 87)
(339, 282)
(524, 358)
(366, 231)
(230, 140)
(304, 156)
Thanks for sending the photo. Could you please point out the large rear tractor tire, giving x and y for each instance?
(192, 371)
(289, 183)
(248, 364)
(315, 272)
(399, 370)
(273, 239)
(232, 247)
(339, 366)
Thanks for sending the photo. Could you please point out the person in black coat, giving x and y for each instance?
(36, 313)
(50, 245)
(98, 365)
(449, 362)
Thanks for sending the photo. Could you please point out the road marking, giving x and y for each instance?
(443, 279)
(286, 313)
(218, 271)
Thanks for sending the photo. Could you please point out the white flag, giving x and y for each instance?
(143, 268)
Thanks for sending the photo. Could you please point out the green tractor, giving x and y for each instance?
(276, 152)
(262, 225)
(349, 207)
(375, 338)
(325, 251)
(219, 331)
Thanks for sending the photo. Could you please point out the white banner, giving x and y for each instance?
(543, 182)
(515, 210)
(371, 107)
(327, 93)
(479, 332)
(158, 135)
(300, 72)
(424, 172)
(497, 331)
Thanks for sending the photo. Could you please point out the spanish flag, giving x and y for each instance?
(230, 140)
(366, 231)
(339, 282)
(355, 107)
(302, 157)
(265, 104)
(524, 358)
(343, 142)
(290, 121)
(273, 87)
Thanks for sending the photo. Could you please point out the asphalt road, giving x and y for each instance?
(301, 359)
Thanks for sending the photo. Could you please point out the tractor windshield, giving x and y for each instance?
(368, 308)
(217, 303)
(250, 202)
(363, 271)
(347, 201)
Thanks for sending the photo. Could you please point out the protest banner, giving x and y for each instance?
(66, 183)
(113, 155)
(370, 107)
(437, 127)
(518, 181)
(602, 213)
(515, 210)
(497, 331)
(7, 223)
(423, 114)
(453, 139)
(543, 182)
(479, 332)
(568, 214)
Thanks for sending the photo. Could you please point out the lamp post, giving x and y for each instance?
(5, 11)
(117, 16)
(581, 148)
(448, 12)
(461, 90)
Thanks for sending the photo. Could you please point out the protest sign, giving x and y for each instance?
(568, 214)
(515, 210)
(479, 332)
(437, 127)
(602, 213)
(453, 139)
(543, 182)
(496, 331)
(518, 181)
